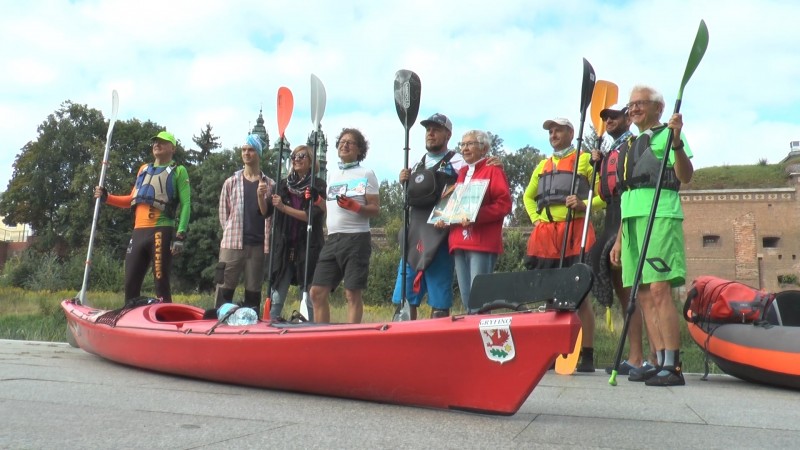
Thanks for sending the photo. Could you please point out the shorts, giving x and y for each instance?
(666, 257)
(436, 280)
(345, 256)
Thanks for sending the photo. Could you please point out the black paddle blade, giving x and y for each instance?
(587, 88)
(407, 89)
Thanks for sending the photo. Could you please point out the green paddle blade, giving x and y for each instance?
(695, 56)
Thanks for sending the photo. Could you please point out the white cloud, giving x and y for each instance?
(503, 67)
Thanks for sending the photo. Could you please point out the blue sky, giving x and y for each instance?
(504, 67)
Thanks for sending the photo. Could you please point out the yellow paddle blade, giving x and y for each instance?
(609, 322)
(605, 94)
(565, 365)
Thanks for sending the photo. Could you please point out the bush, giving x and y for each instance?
(19, 269)
(382, 275)
(48, 275)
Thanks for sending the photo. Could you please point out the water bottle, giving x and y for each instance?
(242, 316)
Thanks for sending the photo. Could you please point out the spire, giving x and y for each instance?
(322, 150)
(260, 129)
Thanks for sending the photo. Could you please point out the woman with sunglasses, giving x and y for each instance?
(291, 202)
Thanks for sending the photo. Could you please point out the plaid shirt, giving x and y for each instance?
(231, 212)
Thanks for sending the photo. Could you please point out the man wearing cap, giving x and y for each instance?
(665, 262)
(430, 265)
(548, 198)
(608, 279)
(245, 232)
(160, 188)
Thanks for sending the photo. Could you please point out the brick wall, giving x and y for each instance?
(759, 236)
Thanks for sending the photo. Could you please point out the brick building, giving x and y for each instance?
(749, 235)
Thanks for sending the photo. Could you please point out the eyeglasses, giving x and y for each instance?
(344, 143)
(639, 104)
(469, 144)
(298, 157)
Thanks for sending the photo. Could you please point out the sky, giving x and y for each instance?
(503, 67)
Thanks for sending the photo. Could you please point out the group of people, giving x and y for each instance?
(555, 199)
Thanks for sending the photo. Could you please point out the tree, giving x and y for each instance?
(42, 191)
(206, 142)
(519, 166)
(194, 269)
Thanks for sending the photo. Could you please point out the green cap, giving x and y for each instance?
(165, 136)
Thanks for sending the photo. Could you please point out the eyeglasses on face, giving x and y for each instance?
(469, 144)
(298, 157)
(639, 104)
(346, 143)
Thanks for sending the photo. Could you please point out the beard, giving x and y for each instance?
(435, 148)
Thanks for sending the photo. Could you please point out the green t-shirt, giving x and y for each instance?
(639, 202)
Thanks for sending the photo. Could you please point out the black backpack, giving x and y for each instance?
(425, 185)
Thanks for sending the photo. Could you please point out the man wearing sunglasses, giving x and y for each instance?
(160, 187)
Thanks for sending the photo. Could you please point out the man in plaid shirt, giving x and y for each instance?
(245, 232)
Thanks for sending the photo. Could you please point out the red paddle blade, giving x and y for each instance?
(605, 94)
(285, 107)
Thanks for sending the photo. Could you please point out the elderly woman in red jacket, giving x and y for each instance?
(476, 243)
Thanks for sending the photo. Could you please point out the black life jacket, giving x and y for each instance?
(612, 175)
(643, 166)
(155, 187)
(555, 183)
(425, 185)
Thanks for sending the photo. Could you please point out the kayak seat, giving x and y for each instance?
(785, 309)
(171, 312)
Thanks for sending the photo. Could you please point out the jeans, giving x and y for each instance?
(469, 264)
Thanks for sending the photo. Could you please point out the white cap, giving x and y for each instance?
(557, 121)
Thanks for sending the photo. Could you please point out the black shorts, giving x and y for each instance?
(345, 256)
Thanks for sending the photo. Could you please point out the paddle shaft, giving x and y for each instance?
(272, 223)
(98, 201)
(309, 226)
(588, 215)
(572, 190)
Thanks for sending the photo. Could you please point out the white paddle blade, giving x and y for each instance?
(304, 306)
(114, 104)
(317, 100)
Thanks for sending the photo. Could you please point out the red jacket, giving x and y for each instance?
(486, 233)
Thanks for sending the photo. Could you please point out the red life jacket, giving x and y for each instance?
(611, 171)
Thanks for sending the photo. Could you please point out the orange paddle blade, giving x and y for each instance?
(285, 107)
(565, 365)
(605, 94)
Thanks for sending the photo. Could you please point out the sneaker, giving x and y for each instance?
(669, 376)
(624, 368)
(643, 373)
(586, 364)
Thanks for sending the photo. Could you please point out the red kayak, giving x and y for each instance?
(488, 363)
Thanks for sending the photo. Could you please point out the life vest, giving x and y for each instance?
(155, 187)
(612, 176)
(555, 183)
(643, 166)
(425, 185)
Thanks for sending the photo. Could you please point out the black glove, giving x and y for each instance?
(177, 246)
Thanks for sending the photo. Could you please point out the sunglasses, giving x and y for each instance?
(298, 157)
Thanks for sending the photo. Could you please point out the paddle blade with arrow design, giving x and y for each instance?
(407, 92)
(695, 56)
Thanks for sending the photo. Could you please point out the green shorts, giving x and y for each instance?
(666, 256)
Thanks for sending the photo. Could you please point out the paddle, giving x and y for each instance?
(566, 364)
(98, 201)
(317, 111)
(695, 56)
(285, 107)
(605, 94)
(407, 89)
(587, 88)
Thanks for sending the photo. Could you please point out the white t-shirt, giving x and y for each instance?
(356, 183)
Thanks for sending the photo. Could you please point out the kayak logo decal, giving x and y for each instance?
(497, 340)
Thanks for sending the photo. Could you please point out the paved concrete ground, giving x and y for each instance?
(55, 396)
